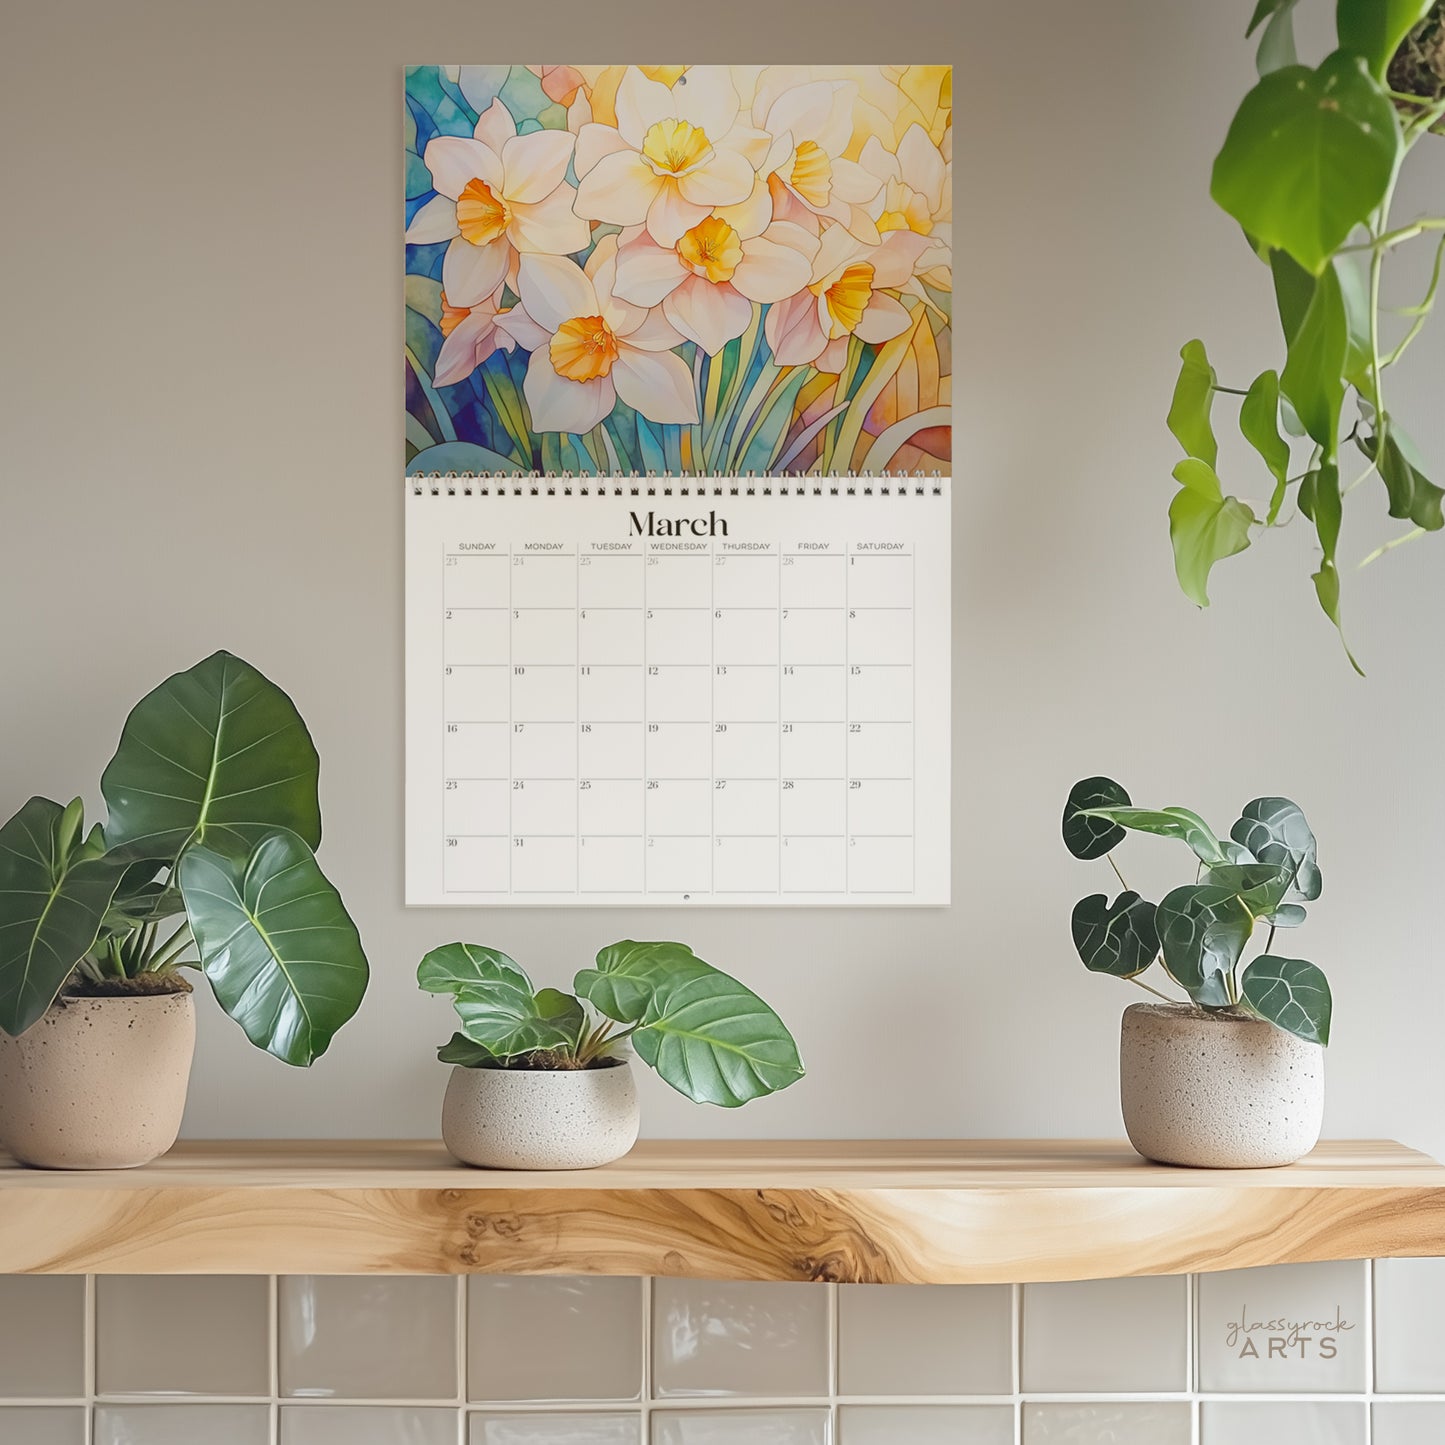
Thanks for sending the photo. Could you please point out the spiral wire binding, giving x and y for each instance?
(669, 484)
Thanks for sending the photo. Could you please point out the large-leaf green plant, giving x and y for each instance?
(1260, 876)
(206, 860)
(707, 1035)
(1309, 169)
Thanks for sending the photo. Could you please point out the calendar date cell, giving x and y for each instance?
(880, 750)
(745, 693)
(679, 693)
(476, 865)
(609, 694)
(880, 580)
(678, 807)
(544, 634)
(679, 865)
(679, 580)
(741, 866)
(679, 635)
(544, 579)
(880, 805)
(479, 693)
(610, 635)
(814, 805)
(544, 805)
(745, 807)
(610, 750)
(610, 865)
(814, 750)
(476, 750)
(477, 635)
(543, 749)
(814, 635)
(813, 865)
(610, 807)
(543, 865)
(679, 750)
(880, 865)
(880, 693)
(744, 635)
(814, 579)
(880, 634)
(543, 694)
(743, 580)
(476, 579)
(474, 806)
(610, 579)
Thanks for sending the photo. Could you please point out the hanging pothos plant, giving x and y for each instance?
(1309, 169)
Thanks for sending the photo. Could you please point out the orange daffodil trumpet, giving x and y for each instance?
(500, 195)
(590, 346)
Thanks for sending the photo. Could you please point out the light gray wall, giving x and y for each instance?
(201, 409)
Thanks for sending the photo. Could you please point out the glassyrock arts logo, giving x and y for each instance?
(1253, 1338)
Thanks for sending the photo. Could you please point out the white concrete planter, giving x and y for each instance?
(536, 1119)
(1218, 1091)
(98, 1083)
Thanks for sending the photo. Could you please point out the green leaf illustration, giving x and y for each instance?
(1203, 930)
(1090, 836)
(1205, 527)
(1118, 938)
(1275, 831)
(1290, 993)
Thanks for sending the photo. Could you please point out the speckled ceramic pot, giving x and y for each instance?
(98, 1083)
(1218, 1091)
(533, 1119)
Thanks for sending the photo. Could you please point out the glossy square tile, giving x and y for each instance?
(182, 1335)
(925, 1339)
(1287, 1329)
(570, 1429)
(926, 1425)
(1399, 1422)
(1153, 1422)
(42, 1336)
(22, 1425)
(1410, 1326)
(369, 1337)
(554, 1338)
(367, 1425)
(741, 1427)
(766, 1340)
(1106, 1336)
(1270, 1422)
(182, 1425)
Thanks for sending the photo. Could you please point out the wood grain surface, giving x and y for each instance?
(931, 1211)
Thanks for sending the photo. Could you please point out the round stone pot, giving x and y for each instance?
(98, 1083)
(1218, 1090)
(540, 1119)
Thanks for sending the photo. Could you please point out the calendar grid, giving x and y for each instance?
(735, 712)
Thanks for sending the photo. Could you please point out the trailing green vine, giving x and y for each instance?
(1309, 169)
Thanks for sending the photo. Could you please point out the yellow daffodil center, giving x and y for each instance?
(583, 349)
(482, 215)
(674, 146)
(710, 249)
(812, 174)
(847, 298)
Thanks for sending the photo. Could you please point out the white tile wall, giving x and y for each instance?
(502, 1361)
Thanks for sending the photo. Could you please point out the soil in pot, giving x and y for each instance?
(1218, 1090)
(99, 1082)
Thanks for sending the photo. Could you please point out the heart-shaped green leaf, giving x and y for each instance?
(706, 1034)
(1177, 823)
(1313, 376)
(1276, 45)
(1290, 993)
(1087, 836)
(275, 940)
(460, 966)
(212, 754)
(1259, 426)
(1308, 157)
(1189, 412)
(1373, 29)
(1203, 931)
(51, 908)
(507, 1018)
(1118, 938)
(1205, 527)
(459, 1049)
(1275, 831)
(1260, 886)
(1413, 496)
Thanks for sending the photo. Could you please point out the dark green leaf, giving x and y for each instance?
(1291, 994)
(1087, 837)
(1205, 526)
(705, 1033)
(1275, 831)
(216, 748)
(1118, 938)
(275, 940)
(507, 1018)
(1261, 887)
(1373, 29)
(1413, 496)
(1308, 157)
(1189, 411)
(1259, 425)
(51, 909)
(460, 966)
(459, 1049)
(1313, 376)
(1177, 823)
(1203, 931)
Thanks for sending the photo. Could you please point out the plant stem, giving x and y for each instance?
(1391, 545)
(1230, 390)
(1269, 942)
(1148, 988)
(169, 951)
(1117, 874)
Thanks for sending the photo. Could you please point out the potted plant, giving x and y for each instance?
(206, 861)
(1310, 169)
(1234, 1077)
(541, 1079)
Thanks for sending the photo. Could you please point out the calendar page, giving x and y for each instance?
(686, 692)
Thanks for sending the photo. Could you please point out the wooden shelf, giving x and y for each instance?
(932, 1211)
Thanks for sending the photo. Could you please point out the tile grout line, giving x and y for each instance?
(645, 1416)
(1371, 1271)
(834, 1354)
(464, 1354)
(273, 1356)
(88, 1366)
(1191, 1327)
